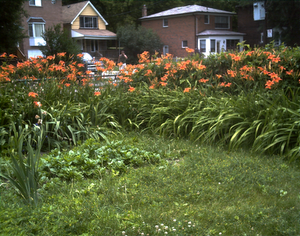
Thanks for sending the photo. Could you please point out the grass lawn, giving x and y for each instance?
(195, 190)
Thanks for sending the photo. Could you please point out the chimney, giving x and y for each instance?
(144, 10)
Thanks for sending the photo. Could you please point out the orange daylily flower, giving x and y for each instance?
(32, 94)
(131, 89)
(67, 84)
(186, 90)
(203, 80)
(37, 104)
(97, 93)
(289, 72)
(189, 50)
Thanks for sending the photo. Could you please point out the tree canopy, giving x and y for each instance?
(11, 13)
(136, 40)
(57, 41)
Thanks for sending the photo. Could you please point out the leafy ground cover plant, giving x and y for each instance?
(93, 158)
(201, 191)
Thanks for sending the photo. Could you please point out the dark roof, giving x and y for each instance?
(219, 33)
(190, 9)
(71, 11)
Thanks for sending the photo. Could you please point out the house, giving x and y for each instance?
(88, 28)
(268, 20)
(252, 19)
(85, 24)
(204, 29)
(41, 15)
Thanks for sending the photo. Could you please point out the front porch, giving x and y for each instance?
(98, 43)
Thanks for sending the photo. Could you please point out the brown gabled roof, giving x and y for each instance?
(71, 11)
(94, 34)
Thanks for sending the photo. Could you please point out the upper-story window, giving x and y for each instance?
(184, 44)
(36, 26)
(222, 22)
(165, 22)
(259, 12)
(90, 22)
(206, 19)
(37, 3)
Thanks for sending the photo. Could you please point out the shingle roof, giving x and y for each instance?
(96, 33)
(190, 9)
(70, 11)
(219, 33)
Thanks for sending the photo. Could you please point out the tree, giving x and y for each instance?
(136, 40)
(58, 40)
(288, 22)
(11, 13)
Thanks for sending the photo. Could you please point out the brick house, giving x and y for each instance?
(204, 29)
(252, 19)
(41, 15)
(84, 22)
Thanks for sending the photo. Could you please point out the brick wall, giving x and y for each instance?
(179, 29)
(246, 24)
(51, 13)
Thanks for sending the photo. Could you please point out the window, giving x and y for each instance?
(222, 22)
(165, 22)
(36, 29)
(259, 11)
(184, 43)
(231, 44)
(90, 22)
(37, 3)
(94, 45)
(203, 45)
(212, 45)
(53, 1)
(165, 49)
(261, 37)
(206, 19)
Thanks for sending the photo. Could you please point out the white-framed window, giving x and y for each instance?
(37, 3)
(184, 44)
(259, 12)
(206, 19)
(222, 22)
(90, 22)
(212, 45)
(94, 45)
(165, 49)
(203, 45)
(53, 1)
(36, 29)
(165, 22)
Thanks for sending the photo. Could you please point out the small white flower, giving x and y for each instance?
(162, 224)
(123, 232)
(189, 222)
(166, 227)
(156, 226)
(166, 232)
(220, 233)
(174, 229)
(219, 182)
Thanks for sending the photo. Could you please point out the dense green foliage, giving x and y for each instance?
(57, 41)
(95, 178)
(201, 191)
(136, 40)
(11, 32)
